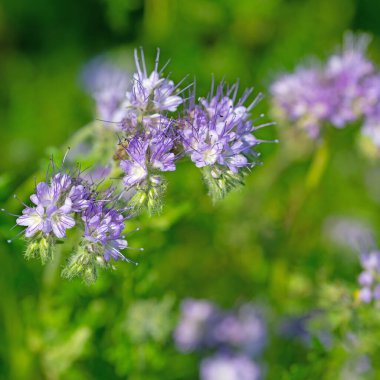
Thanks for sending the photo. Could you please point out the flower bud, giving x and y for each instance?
(40, 247)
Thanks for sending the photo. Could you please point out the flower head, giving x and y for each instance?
(108, 85)
(369, 278)
(151, 94)
(103, 227)
(340, 92)
(193, 328)
(53, 206)
(217, 135)
(229, 367)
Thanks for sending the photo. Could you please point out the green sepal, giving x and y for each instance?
(42, 247)
(220, 181)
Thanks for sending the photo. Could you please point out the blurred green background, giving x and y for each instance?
(265, 243)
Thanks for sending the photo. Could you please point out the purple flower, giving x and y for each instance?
(228, 367)
(340, 92)
(369, 278)
(365, 295)
(103, 229)
(371, 261)
(108, 85)
(135, 167)
(371, 109)
(243, 329)
(147, 154)
(217, 131)
(346, 73)
(150, 94)
(303, 98)
(193, 327)
(52, 211)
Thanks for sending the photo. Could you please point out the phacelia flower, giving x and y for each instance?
(53, 206)
(302, 98)
(244, 329)
(148, 155)
(217, 135)
(203, 326)
(103, 229)
(340, 92)
(151, 94)
(66, 201)
(369, 278)
(193, 327)
(108, 85)
(229, 367)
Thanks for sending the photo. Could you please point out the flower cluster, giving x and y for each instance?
(236, 337)
(340, 92)
(144, 126)
(157, 126)
(369, 278)
(217, 135)
(66, 201)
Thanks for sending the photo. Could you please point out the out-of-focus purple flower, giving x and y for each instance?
(346, 74)
(192, 329)
(371, 106)
(342, 91)
(357, 368)
(108, 85)
(365, 295)
(244, 329)
(302, 98)
(369, 278)
(300, 328)
(229, 367)
(348, 232)
(203, 325)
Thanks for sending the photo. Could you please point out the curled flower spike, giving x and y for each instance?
(66, 201)
(150, 95)
(217, 135)
(342, 91)
(148, 155)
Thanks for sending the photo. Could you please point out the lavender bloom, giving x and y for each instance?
(369, 278)
(135, 168)
(108, 85)
(146, 155)
(103, 229)
(227, 367)
(342, 91)
(53, 206)
(150, 94)
(348, 232)
(346, 73)
(57, 203)
(371, 106)
(302, 98)
(203, 325)
(217, 135)
(192, 329)
(244, 329)
(218, 132)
